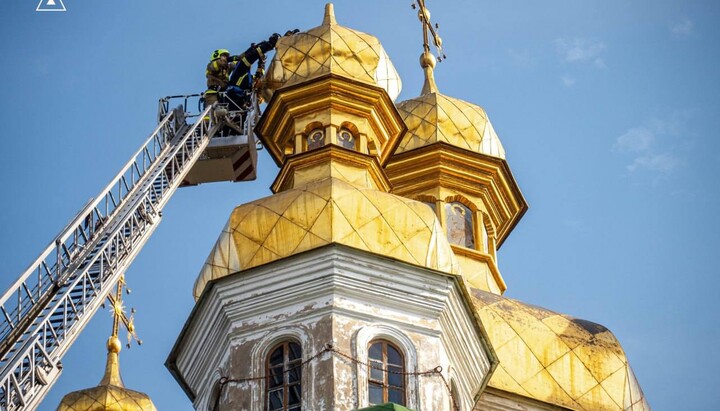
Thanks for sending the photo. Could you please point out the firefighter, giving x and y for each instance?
(217, 72)
(240, 82)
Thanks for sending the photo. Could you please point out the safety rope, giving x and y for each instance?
(329, 348)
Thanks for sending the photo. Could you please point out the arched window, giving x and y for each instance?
(316, 139)
(459, 220)
(386, 382)
(283, 370)
(346, 139)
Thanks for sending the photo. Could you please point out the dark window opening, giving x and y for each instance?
(386, 382)
(283, 384)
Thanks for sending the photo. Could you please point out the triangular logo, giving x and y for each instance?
(51, 5)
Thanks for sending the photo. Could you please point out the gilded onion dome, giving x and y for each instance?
(323, 212)
(434, 117)
(557, 359)
(331, 49)
(110, 394)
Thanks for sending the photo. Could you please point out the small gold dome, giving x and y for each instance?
(110, 394)
(556, 358)
(434, 117)
(324, 212)
(331, 49)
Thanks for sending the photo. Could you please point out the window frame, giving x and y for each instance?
(287, 365)
(384, 366)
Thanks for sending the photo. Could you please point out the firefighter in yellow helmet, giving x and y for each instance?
(230, 74)
(222, 64)
(217, 74)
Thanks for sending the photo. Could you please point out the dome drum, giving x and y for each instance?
(317, 134)
(448, 170)
(330, 104)
(470, 232)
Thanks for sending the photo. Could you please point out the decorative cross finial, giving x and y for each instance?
(118, 313)
(424, 16)
(427, 60)
(112, 367)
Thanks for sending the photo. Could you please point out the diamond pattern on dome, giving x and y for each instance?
(509, 384)
(572, 375)
(331, 48)
(537, 387)
(307, 209)
(557, 359)
(433, 117)
(614, 385)
(321, 213)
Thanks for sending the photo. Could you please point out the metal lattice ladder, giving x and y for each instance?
(44, 311)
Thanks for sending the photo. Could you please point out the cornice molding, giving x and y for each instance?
(329, 154)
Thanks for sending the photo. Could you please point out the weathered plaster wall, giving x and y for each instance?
(335, 296)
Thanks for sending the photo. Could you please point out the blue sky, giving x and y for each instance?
(608, 111)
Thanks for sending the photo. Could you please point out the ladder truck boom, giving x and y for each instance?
(44, 311)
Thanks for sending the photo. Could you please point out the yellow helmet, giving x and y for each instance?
(217, 53)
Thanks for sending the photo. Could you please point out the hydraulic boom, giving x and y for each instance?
(43, 312)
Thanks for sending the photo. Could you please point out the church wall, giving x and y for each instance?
(339, 297)
(251, 344)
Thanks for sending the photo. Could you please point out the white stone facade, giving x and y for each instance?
(341, 297)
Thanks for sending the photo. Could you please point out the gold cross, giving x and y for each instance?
(424, 16)
(118, 313)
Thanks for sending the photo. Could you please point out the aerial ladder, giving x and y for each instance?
(46, 308)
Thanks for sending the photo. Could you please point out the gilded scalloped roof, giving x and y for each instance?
(557, 359)
(110, 394)
(106, 397)
(331, 48)
(323, 212)
(434, 117)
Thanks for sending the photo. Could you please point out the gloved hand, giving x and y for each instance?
(273, 39)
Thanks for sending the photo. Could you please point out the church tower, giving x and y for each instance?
(452, 159)
(369, 279)
(333, 293)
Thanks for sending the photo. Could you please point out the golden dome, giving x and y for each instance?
(557, 359)
(110, 394)
(323, 212)
(434, 117)
(331, 49)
